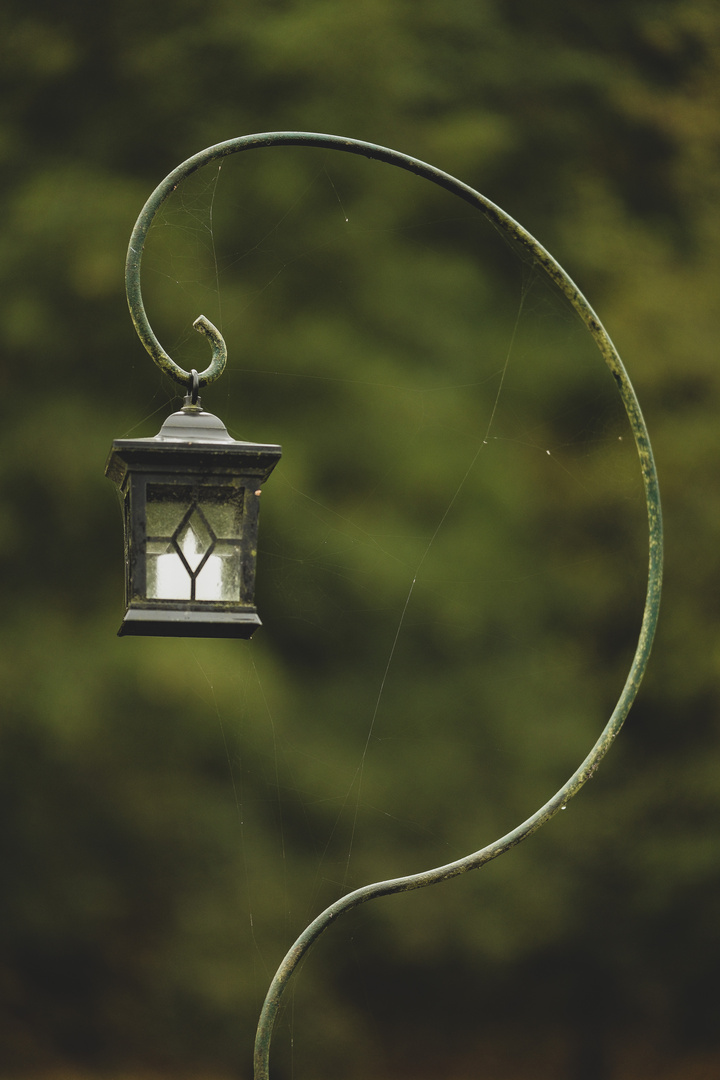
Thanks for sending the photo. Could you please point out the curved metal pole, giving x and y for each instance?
(647, 465)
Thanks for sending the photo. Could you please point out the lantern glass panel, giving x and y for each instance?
(165, 507)
(219, 578)
(193, 542)
(166, 576)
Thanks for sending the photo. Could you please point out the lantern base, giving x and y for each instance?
(154, 622)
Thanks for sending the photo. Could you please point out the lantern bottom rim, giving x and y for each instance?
(151, 622)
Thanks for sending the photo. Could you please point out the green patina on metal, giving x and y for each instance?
(647, 465)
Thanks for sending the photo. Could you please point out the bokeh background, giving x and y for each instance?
(453, 549)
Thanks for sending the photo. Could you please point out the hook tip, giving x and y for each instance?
(219, 354)
(204, 326)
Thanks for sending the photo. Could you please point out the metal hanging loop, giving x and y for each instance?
(541, 257)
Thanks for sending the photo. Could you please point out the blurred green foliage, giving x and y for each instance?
(452, 551)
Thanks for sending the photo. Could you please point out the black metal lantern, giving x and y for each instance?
(190, 499)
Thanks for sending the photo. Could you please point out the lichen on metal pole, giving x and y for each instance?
(541, 257)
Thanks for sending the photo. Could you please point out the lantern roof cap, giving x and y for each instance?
(192, 428)
(194, 441)
(192, 423)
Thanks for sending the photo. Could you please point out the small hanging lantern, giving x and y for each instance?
(190, 495)
(190, 499)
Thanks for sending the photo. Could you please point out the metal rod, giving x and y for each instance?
(647, 465)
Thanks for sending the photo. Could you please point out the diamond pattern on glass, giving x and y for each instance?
(195, 540)
(193, 543)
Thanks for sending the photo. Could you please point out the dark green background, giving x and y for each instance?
(459, 495)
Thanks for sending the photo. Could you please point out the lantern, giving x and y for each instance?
(190, 500)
